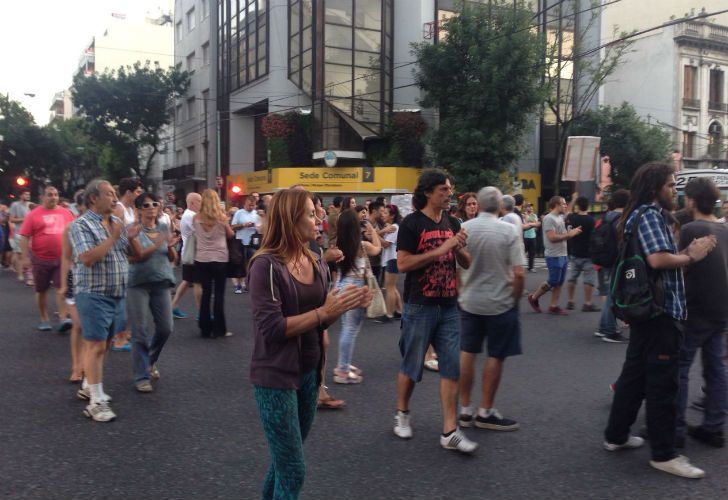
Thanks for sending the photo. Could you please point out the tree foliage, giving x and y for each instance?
(127, 111)
(627, 140)
(485, 79)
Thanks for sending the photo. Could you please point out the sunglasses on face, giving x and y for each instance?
(150, 204)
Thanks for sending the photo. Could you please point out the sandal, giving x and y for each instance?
(432, 365)
(330, 403)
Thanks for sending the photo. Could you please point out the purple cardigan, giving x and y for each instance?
(276, 361)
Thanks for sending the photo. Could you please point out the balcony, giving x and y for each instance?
(179, 173)
(717, 106)
(689, 102)
(702, 33)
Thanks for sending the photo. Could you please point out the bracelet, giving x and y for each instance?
(317, 316)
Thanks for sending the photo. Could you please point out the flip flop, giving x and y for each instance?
(330, 403)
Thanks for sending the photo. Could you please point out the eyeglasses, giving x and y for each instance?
(150, 204)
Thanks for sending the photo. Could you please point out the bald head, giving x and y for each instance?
(194, 201)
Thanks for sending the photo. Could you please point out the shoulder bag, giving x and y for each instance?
(377, 308)
(189, 249)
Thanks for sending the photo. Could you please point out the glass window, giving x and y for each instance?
(368, 40)
(307, 38)
(178, 30)
(306, 83)
(367, 81)
(369, 14)
(206, 53)
(205, 8)
(337, 36)
(337, 56)
(339, 11)
(295, 18)
(337, 80)
(191, 19)
(307, 58)
(367, 59)
(191, 61)
(367, 111)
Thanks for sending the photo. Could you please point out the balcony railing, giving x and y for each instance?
(691, 103)
(178, 173)
(718, 106)
(701, 29)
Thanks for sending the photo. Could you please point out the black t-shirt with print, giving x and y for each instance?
(435, 284)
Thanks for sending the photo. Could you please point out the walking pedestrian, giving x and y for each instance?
(579, 259)
(389, 258)
(150, 279)
(352, 270)
(530, 224)
(650, 370)
(706, 287)
(41, 234)
(490, 290)
(291, 308)
(467, 207)
(100, 243)
(18, 210)
(245, 223)
(429, 244)
(189, 271)
(555, 236)
(212, 230)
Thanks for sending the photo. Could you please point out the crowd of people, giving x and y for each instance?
(111, 253)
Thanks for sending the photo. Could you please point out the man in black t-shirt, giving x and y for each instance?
(429, 244)
(579, 258)
(706, 290)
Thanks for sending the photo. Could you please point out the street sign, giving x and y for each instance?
(219, 181)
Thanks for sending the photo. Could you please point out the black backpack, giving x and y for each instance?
(603, 244)
(637, 293)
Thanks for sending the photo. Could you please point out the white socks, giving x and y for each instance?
(467, 410)
(97, 393)
(485, 412)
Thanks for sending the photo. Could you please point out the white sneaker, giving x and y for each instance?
(402, 426)
(85, 394)
(458, 441)
(631, 443)
(154, 372)
(679, 466)
(100, 412)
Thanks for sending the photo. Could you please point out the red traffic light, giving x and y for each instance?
(21, 181)
(235, 189)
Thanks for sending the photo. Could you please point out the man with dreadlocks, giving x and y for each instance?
(650, 370)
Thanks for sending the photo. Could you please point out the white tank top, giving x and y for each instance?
(129, 217)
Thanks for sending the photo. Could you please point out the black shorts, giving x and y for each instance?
(189, 273)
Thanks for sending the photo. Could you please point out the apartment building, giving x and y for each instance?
(194, 165)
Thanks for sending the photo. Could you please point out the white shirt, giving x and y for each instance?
(390, 252)
(129, 216)
(185, 226)
(242, 216)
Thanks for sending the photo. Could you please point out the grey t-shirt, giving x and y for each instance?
(486, 288)
(19, 209)
(554, 223)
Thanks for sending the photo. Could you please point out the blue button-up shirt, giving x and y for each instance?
(108, 276)
(655, 236)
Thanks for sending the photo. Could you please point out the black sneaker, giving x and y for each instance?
(617, 338)
(465, 420)
(383, 319)
(711, 438)
(496, 422)
(397, 315)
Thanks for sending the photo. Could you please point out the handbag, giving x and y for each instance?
(189, 249)
(235, 254)
(377, 308)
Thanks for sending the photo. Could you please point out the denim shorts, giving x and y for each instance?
(502, 330)
(391, 267)
(557, 270)
(424, 325)
(101, 316)
(579, 265)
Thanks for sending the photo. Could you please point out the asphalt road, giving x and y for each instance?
(198, 435)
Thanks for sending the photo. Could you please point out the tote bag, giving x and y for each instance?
(377, 308)
(189, 250)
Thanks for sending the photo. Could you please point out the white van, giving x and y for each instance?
(719, 176)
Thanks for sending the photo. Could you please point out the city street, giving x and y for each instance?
(198, 434)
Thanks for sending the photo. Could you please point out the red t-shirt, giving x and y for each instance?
(45, 228)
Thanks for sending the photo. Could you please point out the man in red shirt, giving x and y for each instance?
(41, 232)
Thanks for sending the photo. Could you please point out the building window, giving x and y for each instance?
(178, 30)
(190, 19)
(178, 157)
(191, 61)
(205, 101)
(300, 44)
(242, 43)
(191, 155)
(191, 108)
(178, 114)
(205, 9)
(206, 53)
(715, 96)
(715, 140)
(688, 144)
(690, 82)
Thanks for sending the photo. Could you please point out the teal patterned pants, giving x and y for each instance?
(287, 416)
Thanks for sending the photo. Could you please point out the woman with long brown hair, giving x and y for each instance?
(212, 230)
(467, 207)
(291, 308)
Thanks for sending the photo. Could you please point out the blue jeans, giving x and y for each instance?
(607, 321)
(424, 325)
(710, 338)
(140, 302)
(351, 322)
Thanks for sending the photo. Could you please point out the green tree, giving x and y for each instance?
(77, 159)
(626, 139)
(485, 79)
(128, 109)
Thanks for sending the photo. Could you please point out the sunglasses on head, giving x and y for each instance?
(150, 204)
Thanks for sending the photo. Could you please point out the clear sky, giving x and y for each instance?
(41, 42)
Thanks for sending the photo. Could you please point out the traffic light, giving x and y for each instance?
(21, 181)
(235, 189)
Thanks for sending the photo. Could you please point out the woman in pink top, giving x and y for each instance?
(212, 229)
